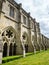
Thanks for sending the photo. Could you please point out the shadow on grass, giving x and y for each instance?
(11, 59)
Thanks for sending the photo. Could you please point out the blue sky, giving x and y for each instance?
(39, 9)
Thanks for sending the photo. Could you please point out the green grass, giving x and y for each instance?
(10, 58)
(41, 58)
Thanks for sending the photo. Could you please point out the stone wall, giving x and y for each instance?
(34, 39)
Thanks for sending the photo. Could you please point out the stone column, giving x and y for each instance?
(34, 50)
(34, 47)
(23, 52)
(39, 42)
(0, 57)
(12, 49)
(8, 51)
(1, 49)
(23, 49)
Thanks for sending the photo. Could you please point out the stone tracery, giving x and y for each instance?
(9, 33)
(9, 37)
(25, 41)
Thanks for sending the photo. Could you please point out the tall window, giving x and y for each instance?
(11, 11)
(24, 19)
(32, 26)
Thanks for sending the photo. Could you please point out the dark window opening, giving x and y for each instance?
(14, 49)
(10, 51)
(3, 34)
(24, 19)
(23, 37)
(5, 50)
(11, 11)
(26, 48)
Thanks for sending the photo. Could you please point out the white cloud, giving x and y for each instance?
(40, 10)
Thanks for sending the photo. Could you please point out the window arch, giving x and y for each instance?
(10, 36)
(5, 49)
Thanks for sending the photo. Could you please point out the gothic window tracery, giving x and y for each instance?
(9, 37)
(3, 34)
(9, 33)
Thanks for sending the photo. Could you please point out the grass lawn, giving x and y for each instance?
(41, 58)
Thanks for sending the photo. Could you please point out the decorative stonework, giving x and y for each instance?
(17, 37)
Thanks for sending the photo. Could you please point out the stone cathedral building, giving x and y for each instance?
(19, 30)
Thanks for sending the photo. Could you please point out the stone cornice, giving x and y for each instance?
(25, 26)
(24, 12)
(14, 4)
(2, 12)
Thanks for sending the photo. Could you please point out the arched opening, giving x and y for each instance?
(5, 50)
(26, 48)
(11, 50)
(10, 35)
(25, 41)
(14, 49)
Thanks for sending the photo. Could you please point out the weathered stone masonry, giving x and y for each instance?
(19, 31)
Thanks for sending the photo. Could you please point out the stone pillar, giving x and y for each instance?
(24, 52)
(23, 49)
(1, 49)
(8, 51)
(34, 50)
(12, 49)
(34, 47)
(0, 57)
